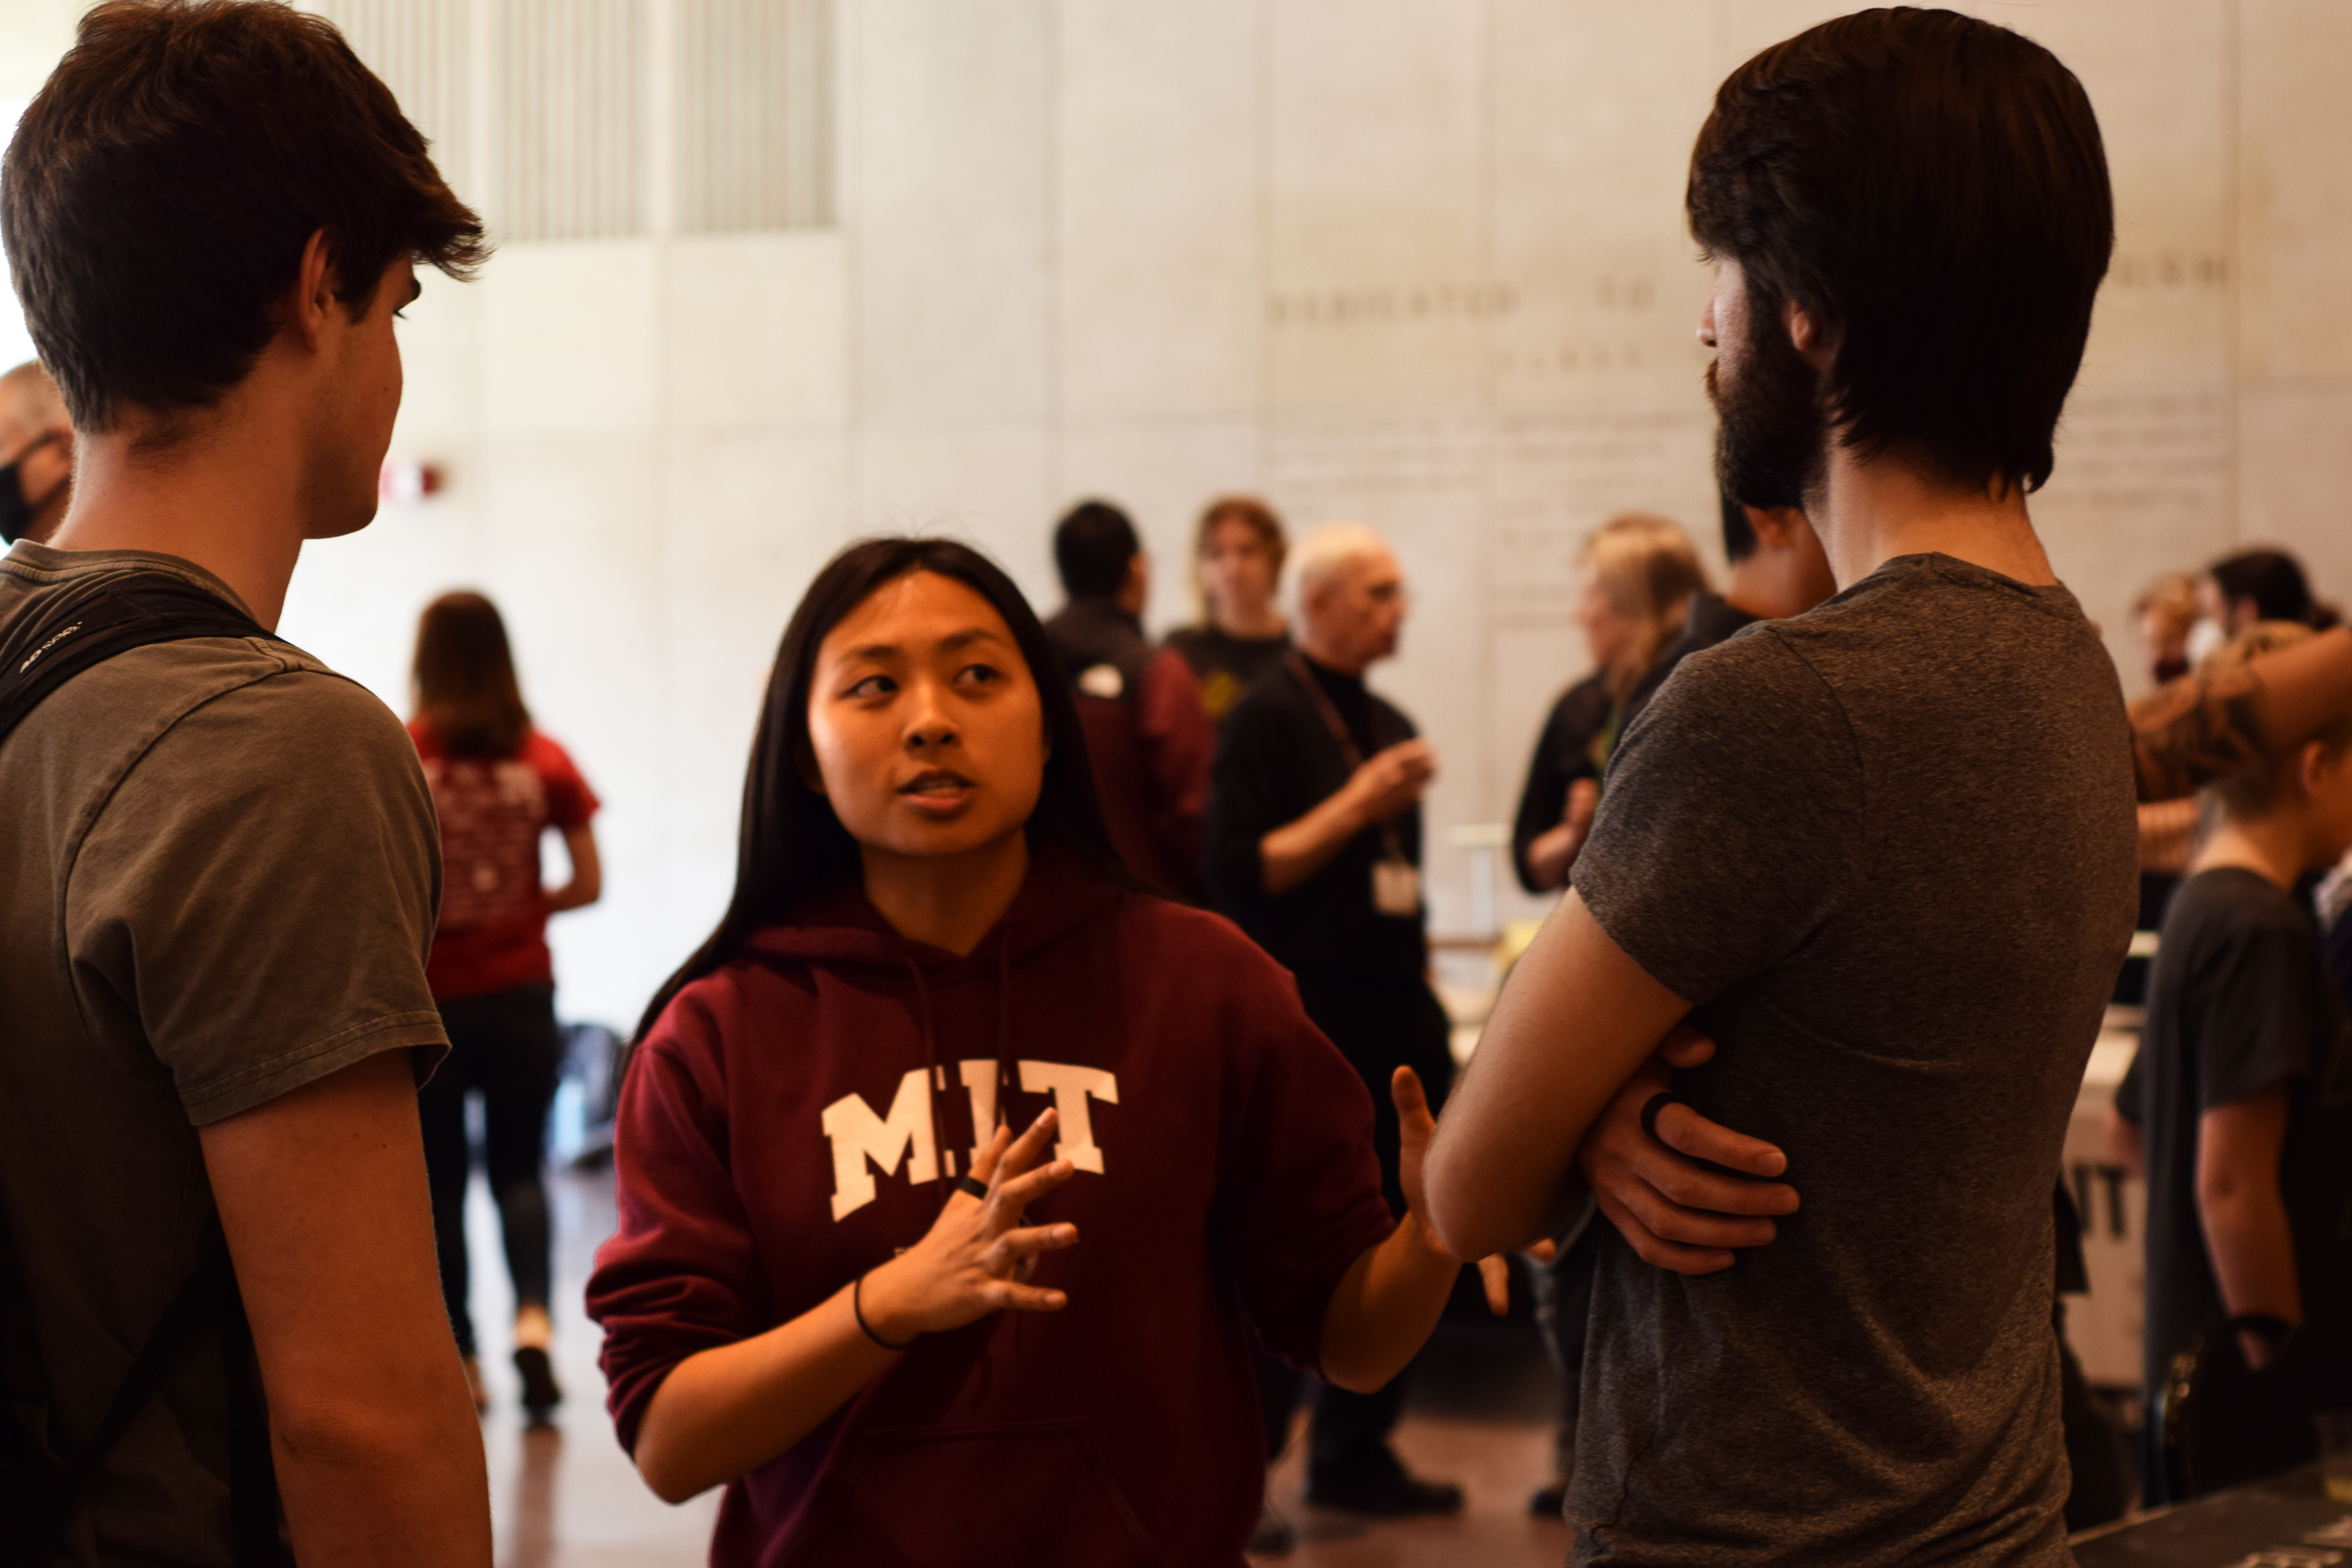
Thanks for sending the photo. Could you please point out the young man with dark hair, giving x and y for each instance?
(219, 870)
(1883, 854)
(1147, 735)
(2255, 585)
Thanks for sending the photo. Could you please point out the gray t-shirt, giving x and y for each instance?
(218, 873)
(1887, 849)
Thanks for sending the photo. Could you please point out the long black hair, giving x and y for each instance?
(792, 842)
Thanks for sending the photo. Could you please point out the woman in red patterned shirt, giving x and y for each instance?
(497, 784)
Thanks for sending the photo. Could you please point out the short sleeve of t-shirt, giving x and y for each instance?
(260, 890)
(2258, 995)
(570, 802)
(1728, 821)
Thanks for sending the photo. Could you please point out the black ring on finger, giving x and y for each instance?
(977, 1188)
(1654, 1104)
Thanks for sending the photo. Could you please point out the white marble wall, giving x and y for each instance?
(1420, 264)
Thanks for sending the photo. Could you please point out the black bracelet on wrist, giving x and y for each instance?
(858, 1311)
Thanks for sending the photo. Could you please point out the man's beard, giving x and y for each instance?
(1771, 437)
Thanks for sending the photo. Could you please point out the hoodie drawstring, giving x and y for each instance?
(932, 1075)
(1003, 1022)
(935, 1078)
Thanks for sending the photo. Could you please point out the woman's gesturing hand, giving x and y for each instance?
(977, 1256)
(1415, 1127)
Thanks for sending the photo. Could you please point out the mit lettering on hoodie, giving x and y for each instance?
(800, 1115)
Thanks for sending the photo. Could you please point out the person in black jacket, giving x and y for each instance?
(1315, 849)
(1148, 736)
(1639, 574)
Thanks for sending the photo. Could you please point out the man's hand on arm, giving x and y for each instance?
(1671, 1209)
(1576, 1020)
(1389, 781)
(322, 1194)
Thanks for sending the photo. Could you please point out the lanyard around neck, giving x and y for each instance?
(1391, 846)
(1331, 719)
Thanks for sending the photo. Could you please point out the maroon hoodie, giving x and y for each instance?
(800, 1115)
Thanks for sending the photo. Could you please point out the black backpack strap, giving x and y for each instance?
(89, 622)
(75, 629)
(182, 1322)
(253, 1502)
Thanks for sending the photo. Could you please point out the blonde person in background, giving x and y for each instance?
(1634, 585)
(1237, 557)
(2234, 1110)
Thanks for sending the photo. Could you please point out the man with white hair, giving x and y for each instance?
(1314, 832)
(36, 454)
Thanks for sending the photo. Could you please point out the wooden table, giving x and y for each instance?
(2269, 1524)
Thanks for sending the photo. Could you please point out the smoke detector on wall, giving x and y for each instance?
(407, 482)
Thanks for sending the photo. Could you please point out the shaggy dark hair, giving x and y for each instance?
(161, 188)
(1933, 191)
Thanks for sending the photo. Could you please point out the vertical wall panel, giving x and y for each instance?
(419, 48)
(571, 119)
(754, 115)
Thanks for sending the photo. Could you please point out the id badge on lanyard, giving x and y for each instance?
(1396, 887)
(1396, 881)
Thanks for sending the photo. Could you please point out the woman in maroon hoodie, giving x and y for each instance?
(828, 1289)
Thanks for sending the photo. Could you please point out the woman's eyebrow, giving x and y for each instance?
(955, 642)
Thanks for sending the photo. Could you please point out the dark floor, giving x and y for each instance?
(565, 1497)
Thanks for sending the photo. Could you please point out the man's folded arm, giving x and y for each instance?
(1576, 1020)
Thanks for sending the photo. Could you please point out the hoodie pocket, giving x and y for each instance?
(1037, 1493)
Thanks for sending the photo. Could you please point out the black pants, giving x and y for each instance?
(505, 1045)
(1380, 1022)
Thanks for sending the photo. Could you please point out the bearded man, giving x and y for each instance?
(1882, 854)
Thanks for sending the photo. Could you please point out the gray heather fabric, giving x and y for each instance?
(218, 873)
(1888, 849)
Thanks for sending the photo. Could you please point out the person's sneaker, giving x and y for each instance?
(540, 1394)
(1273, 1537)
(1385, 1492)
(1549, 1502)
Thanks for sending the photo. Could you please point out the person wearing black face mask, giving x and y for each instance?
(36, 453)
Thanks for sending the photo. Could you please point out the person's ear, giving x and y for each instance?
(1810, 338)
(2313, 763)
(312, 299)
(1770, 525)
